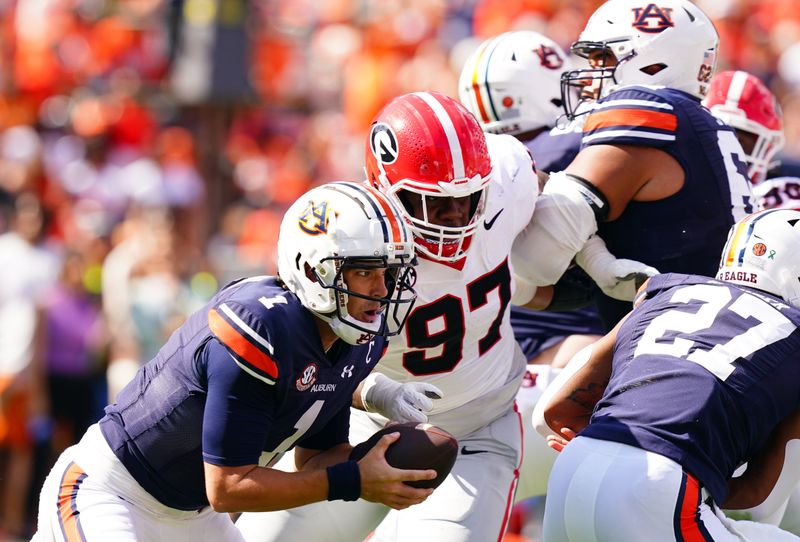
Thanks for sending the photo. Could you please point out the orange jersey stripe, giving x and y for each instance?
(67, 513)
(237, 342)
(690, 530)
(631, 117)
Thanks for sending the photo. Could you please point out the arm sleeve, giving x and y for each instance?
(239, 410)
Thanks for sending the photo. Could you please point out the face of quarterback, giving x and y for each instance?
(366, 281)
(439, 210)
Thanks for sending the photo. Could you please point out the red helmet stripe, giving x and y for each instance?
(735, 89)
(453, 142)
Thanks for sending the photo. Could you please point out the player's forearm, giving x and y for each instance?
(262, 489)
(311, 459)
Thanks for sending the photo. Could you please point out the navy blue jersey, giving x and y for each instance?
(685, 232)
(536, 331)
(702, 372)
(554, 150)
(244, 375)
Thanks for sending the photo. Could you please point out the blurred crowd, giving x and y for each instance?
(148, 149)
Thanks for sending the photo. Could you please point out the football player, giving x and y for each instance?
(657, 177)
(742, 101)
(270, 363)
(512, 84)
(698, 379)
(465, 196)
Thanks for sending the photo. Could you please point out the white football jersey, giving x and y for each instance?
(778, 193)
(458, 336)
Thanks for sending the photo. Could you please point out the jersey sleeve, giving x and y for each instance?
(516, 176)
(631, 116)
(243, 332)
(239, 410)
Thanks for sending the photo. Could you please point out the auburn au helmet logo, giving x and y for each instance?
(549, 57)
(314, 218)
(383, 143)
(652, 19)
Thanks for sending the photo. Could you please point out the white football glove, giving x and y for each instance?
(618, 278)
(408, 402)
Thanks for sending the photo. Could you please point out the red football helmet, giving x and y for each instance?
(429, 144)
(743, 102)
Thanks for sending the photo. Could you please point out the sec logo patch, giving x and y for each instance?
(759, 249)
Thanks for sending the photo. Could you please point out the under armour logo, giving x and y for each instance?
(348, 370)
(652, 19)
(383, 143)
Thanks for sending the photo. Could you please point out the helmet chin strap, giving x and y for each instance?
(344, 327)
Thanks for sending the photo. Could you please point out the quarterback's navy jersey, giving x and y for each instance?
(702, 372)
(244, 375)
(685, 232)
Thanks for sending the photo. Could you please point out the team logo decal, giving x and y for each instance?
(652, 19)
(759, 249)
(549, 58)
(307, 378)
(383, 143)
(314, 218)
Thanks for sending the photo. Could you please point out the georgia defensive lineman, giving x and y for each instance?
(465, 197)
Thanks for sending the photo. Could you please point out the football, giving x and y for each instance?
(420, 446)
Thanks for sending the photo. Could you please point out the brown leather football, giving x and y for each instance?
(420, 446)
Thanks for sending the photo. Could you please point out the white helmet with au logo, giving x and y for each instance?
(669, 42)
(512, 82)
(762, 253)
(345, 225)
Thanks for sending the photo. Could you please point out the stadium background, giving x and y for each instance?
(148, 149)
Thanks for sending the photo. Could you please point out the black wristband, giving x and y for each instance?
(344, 481)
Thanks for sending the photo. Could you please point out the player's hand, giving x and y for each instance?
(558, 443)
(407, 402)
(618, 278)
(382, 483)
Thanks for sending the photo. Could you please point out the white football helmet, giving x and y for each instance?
(743, 102)
(428, 144)
(762, 252)
(669, 43)
(343, 225)
(512, 82)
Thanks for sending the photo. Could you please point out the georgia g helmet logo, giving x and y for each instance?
(383, 143)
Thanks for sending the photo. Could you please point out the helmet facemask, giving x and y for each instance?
(437, 241)
(396, 305)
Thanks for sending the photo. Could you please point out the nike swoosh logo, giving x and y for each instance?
(464, 449)
(489, 223)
